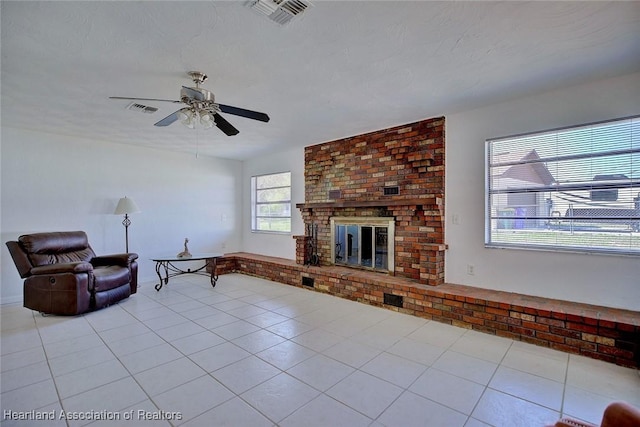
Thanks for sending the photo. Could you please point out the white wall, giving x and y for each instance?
(598, 279)
(279, 245)
(57, 183)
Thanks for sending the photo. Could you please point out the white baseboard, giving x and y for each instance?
(11, 300)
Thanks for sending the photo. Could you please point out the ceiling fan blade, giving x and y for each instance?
(144, 99)
(255, 115)
(224, 125)
(198, 96)
(168, 120)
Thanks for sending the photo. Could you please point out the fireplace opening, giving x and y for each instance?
(363, 242)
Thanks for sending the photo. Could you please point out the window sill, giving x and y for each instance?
(277, 233)
(575, 250)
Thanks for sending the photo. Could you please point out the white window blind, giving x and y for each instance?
(271, 202)
(574, 188)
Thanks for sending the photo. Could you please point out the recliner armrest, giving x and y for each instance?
(20, 258)
(65, 267)
(621, 414)
(123, 260)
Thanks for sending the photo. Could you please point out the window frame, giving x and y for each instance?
(596, 190)
(255, 203)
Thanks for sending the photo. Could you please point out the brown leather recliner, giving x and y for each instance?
(64, 276)
(617, 414)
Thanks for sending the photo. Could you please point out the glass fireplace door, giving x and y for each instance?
(361, 245)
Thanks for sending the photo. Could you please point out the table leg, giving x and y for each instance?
(213, 264)
(159, 265)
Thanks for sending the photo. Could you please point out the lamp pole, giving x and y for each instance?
(126, 222)
(126, 206)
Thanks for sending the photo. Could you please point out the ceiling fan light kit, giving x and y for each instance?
(186, 117)
(207, 120)
(201, 104)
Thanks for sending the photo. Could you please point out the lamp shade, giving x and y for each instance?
(126, 206)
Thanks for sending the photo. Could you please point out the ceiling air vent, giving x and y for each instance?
(134, 106)
(280, 11)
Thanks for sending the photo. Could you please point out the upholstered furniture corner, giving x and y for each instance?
(64, 276)
(617, 414)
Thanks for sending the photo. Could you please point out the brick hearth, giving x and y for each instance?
(609, 334)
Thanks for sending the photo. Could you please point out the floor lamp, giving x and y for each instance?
(126, 206)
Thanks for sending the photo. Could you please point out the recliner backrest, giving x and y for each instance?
(56, 247)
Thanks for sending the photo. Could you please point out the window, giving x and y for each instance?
(271, 202)
(574, 188)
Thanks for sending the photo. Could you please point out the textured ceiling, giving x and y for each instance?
(340, 69)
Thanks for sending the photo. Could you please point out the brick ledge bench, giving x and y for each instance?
(608, 334)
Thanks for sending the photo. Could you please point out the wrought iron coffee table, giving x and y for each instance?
(166, 265)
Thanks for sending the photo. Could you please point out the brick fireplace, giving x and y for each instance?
(391, 173)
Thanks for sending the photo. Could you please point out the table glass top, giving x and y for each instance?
(193, 257)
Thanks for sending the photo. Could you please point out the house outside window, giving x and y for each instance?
(271, 203)
(574, 189)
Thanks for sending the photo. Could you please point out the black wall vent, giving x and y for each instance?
(394, 300)
(307, 281)
(391, 191)
(335, 194)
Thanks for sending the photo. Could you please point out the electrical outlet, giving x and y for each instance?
(455, 219)
(471, 269)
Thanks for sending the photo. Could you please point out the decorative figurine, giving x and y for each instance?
(185, 253)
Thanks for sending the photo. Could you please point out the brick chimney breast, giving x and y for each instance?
(358, 169)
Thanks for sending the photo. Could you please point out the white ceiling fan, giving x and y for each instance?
(200, 103)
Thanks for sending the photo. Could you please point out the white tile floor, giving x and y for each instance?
(257, 353)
